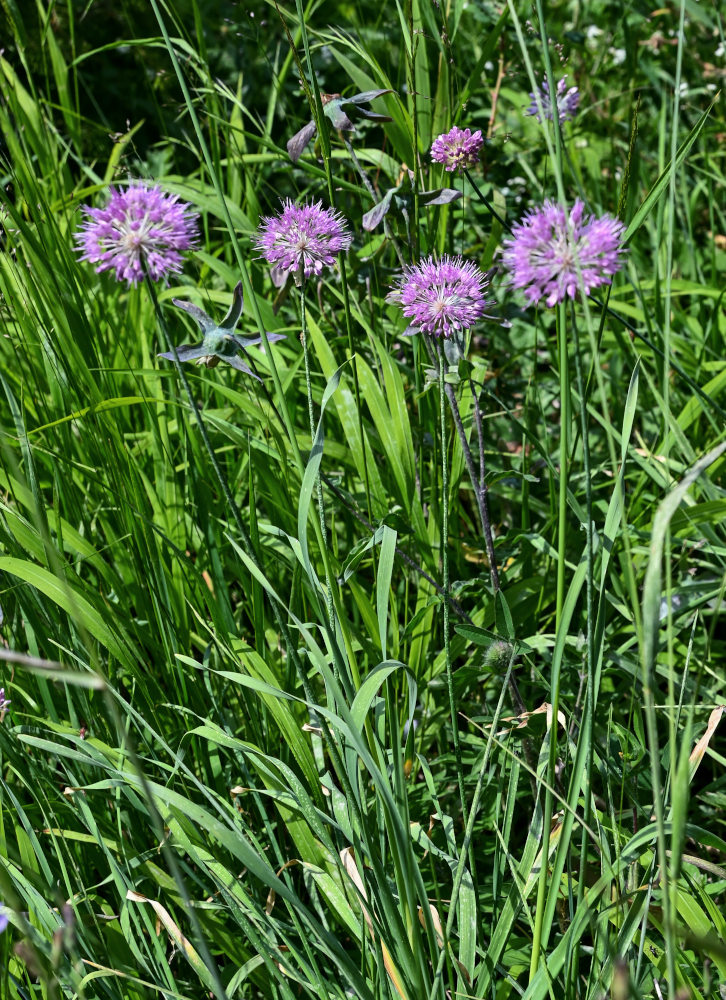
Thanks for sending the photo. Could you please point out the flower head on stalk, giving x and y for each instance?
(553, 254)
(219, 341)
(457, 149)
(441, 297)
(302, 239)
(566, 101)
(141, 230)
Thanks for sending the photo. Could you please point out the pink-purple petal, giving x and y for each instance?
(457, 149)
(553, 255)
(442, 297)
(302, 238)
(141, 230)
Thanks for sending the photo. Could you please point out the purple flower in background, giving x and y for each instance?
(4, 702)
(551, 254)
(3, 920)
(566, 101)
(141, 229)
(457, 149)
(302, 238)
(441, 297)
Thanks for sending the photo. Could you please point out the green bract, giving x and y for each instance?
(219, 342)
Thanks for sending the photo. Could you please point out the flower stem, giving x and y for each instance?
(318, 484)
(539, 933)
(445, 575)
(565, 410)
(483, 489)
(487, 204)
(477, 481)
(588, 719)
(480, 488)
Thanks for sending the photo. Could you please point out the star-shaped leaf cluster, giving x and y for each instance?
(219, 342)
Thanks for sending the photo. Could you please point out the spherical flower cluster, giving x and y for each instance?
(552, 254)
(141, 230)
(302, 238)
(457, 149)
(442, 297)
(566, 101)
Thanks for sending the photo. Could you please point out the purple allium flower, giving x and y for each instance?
(3, 702)
(566, 101)
(141, 229)
(303, 238)
(441, 297)
(457, 149)
(551, 254)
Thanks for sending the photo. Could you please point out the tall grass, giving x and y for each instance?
(274, 730)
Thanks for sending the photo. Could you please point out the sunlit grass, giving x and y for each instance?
(276, 727)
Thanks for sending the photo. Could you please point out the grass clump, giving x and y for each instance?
(361, 511)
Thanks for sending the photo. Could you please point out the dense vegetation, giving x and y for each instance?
(277, 720)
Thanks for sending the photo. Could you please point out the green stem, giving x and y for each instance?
(565, 410)
(318, 484)
(412, 90)
(590, 658)
(487, 204)
(565, 417)
(445, 575)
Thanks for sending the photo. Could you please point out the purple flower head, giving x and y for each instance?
(302, 238)
(3, 920)
(551, 254)
(141, 229)
(457, 149)
(442, 297)
(4, 702)
(566, 101)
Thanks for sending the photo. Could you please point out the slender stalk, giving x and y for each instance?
(483, 489)
(670, 872)
(537, 937)
(479, 486)
(590, 626)
(318, 484)
(413, 91)
(565, 416)
(445, 574)
(487, 204)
